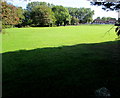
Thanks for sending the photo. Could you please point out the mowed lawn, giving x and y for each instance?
(71, 71)
(39, 37)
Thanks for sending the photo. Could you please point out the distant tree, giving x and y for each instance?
(61, 14)
(31, 5)
(98, 18)
(11, 15)
(73, 11)
(38, 14)
(83, 14)
(21, 16)
(50, 5)
(42, 16)
(27, 21)
(20, 12)
(74, 20)
(107, 18)
(104, 19)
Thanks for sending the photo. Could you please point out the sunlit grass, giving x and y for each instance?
(39, 37)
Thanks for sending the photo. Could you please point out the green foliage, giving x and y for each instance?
(106, 18)
(83, 14)
(31, 5)
(98, 18)
(74, 21)
(27, 21)
(41, 15)
(20, 12)
(61, 14)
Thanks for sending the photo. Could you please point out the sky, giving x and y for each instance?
(70, 3)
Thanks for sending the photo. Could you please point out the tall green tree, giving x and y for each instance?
(20, 12)
(73, 11)
(87, 16)
(74, 20)
(27, 20)
(39, 14)
(42, 16)
(83, 14)
(61, 14)
(31, 5)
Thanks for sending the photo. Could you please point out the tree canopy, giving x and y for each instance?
(31, 5)
(39, 14)
(61, 15)
(11, 15)
(42, 15)
(83, 14)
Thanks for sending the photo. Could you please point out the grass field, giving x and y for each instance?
(66, 71)
(31, 38)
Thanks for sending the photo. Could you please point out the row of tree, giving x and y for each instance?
(43, 14)
(106, 18)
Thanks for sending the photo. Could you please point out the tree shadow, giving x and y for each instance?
(68, 71)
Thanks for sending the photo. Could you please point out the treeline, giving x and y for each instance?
(105, 18)
(43, 14)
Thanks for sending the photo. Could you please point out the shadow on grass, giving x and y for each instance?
(69, 71)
